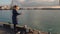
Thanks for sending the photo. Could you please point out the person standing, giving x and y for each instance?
(14, 16)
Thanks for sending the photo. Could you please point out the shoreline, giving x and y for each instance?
(35, 9)
(7, 26)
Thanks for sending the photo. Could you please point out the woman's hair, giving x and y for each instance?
(15, 6)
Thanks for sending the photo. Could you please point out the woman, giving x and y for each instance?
(14, 16)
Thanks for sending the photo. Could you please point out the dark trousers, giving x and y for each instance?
(15, 30)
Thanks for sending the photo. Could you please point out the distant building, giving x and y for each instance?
(0, 7)
(5, 7)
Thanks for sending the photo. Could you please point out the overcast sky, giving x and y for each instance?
(30, 3)
(5, 2)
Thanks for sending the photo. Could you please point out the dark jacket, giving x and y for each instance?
(14, 16)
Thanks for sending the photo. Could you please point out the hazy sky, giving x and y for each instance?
(5, 2)
(30, 3)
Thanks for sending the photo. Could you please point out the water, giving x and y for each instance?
(44, 20)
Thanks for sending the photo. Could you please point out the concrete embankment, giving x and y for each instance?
(6, 28)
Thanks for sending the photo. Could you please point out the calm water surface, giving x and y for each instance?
(37, 19)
